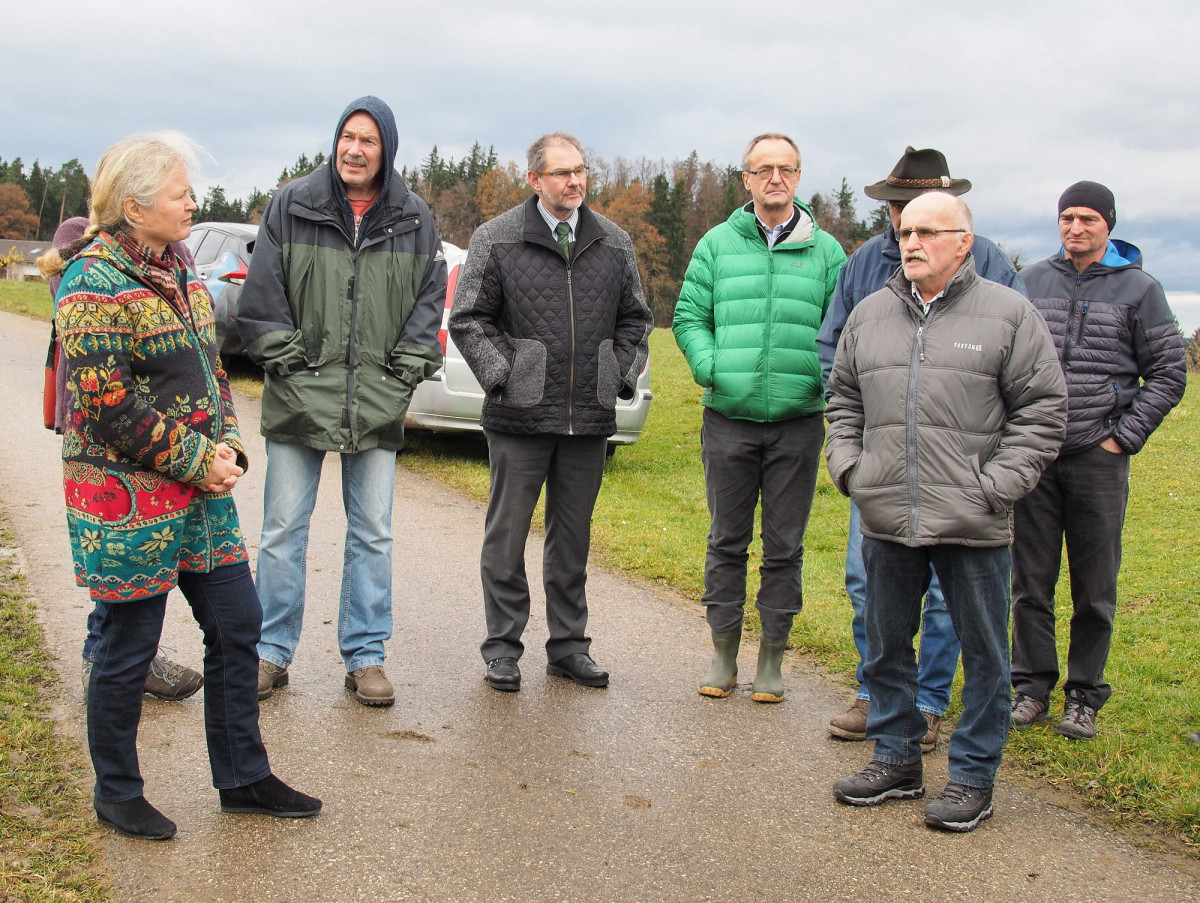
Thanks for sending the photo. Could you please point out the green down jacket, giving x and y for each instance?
(748, 316)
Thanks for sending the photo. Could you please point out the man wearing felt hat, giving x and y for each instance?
(1123, 358)
(867, 271)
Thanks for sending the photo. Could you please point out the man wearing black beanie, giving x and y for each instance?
(1123, 359)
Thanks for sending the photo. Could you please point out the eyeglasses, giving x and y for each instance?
(785, 172)
(924, 234)
(580, 171)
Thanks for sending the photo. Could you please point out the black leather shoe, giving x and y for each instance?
(270, 796)
(580, 668)
(504, 675)
(135, 817)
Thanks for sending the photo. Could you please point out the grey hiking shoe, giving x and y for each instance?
(170, 681)
(880, 781)
(959, 808)
(1026, 710)
(166, 679)
(1079, 720)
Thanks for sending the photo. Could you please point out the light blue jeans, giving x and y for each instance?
(938, 658)
(365, 610)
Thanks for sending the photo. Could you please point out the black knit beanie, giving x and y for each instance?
(1094, 196)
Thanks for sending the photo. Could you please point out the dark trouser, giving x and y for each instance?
(975, 582)
(743, 462)
(1080, 498)
(571, 468)
(226, 607)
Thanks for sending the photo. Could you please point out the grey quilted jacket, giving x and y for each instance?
(553, 343)
(1118, 344)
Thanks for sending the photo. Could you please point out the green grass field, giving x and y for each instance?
(651, 523)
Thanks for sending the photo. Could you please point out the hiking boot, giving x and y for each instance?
(1026, 710)
(880, 781)
(270, 676)
(959, 808)
(170, 681)
(370, 686)
(1079, 720)
(853, 724)
(166, 679)
(930, 740)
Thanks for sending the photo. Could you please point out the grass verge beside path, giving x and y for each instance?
(651, 522)
(48, 848)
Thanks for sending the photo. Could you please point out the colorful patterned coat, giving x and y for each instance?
(149, 404)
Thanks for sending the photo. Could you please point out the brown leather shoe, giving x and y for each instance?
(930, 740)
(270, 676)
(370, 686)
(853, 724)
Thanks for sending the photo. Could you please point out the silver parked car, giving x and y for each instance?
(451, 400)
(222, 252)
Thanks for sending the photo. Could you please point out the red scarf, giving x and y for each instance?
(161, 272)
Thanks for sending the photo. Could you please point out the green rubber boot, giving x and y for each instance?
(768, 682)
(722, 673)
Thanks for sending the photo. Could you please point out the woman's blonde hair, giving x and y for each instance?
(135, 169)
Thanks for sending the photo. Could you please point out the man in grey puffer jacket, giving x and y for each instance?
(945, 406)
(1123, 358)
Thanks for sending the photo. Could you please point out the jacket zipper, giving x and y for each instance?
(1069, 340)
(910, 423)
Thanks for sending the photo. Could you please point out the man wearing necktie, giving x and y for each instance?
(550, 316)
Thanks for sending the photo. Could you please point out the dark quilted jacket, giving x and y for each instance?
(1118, 344)
(552, 343)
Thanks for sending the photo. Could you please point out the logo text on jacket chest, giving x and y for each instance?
(968, 346)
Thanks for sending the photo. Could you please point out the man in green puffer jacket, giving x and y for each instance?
(751, 305)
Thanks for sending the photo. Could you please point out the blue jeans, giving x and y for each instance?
(938, 657)
(976, 585)
(365, 611)
(747, 463)
(227, 610)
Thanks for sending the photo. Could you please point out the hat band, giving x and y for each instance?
(940, 182)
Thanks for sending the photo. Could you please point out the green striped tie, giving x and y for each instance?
(563, 231)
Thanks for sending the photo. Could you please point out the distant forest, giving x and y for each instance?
(665, 207)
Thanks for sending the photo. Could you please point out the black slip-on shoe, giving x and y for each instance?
(270, 796)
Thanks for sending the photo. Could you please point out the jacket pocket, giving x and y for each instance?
(526, 384)
(304, 404)
(608, 375)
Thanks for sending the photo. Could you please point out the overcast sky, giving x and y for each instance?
(1024, 97)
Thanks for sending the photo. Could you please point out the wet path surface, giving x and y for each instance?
(645, 791)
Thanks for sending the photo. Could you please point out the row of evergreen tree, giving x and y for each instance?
(665, 207)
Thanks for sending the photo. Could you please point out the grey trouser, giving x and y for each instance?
(743, 461)
(1080, 498)
(571, 468)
